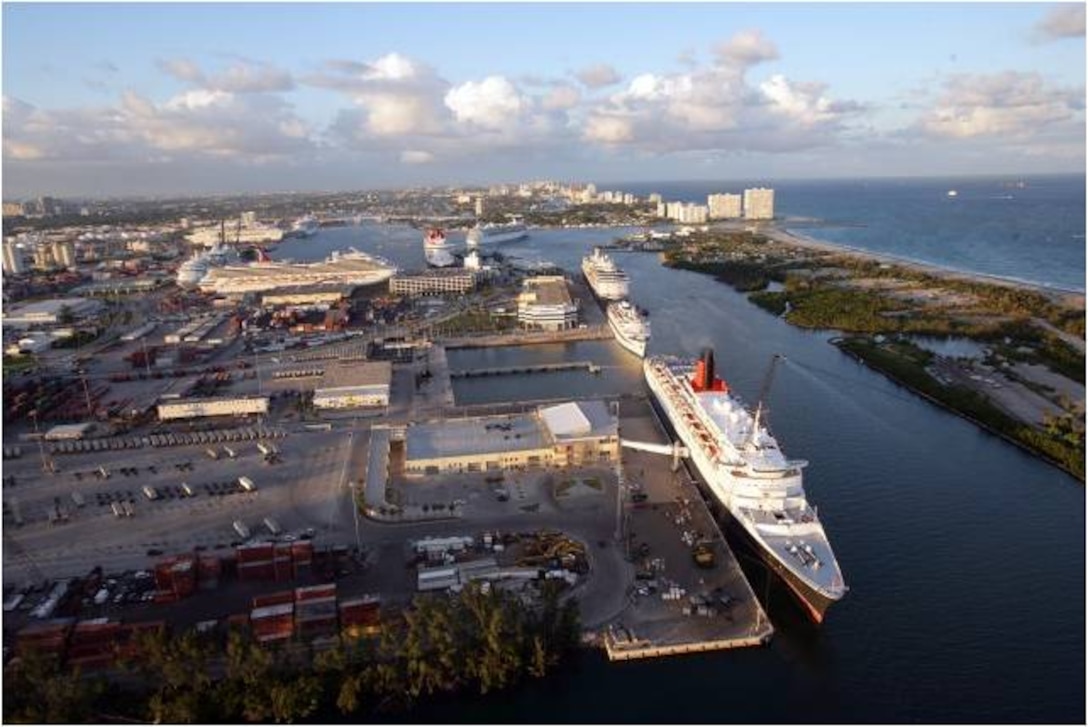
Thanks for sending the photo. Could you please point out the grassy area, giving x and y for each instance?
(1060, 443)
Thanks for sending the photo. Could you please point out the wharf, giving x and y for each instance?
(528, 338)
(675, 606)
(527, 369)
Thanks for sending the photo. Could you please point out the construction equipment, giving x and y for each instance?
(703, 553)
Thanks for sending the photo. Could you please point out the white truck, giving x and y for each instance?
(273, 526)
(151, 492)
(241, 529)
(247, 484)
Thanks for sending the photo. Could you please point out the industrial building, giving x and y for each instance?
(434, 282)
(50, 312)
(345, 384)
(572, 434)
(545, 303)
(227, 406)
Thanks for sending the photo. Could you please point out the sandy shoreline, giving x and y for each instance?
(786, 237)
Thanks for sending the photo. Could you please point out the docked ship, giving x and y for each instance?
(492, 234)
(747, 472)
(352, 268)
(437, 251)
(606, 280)
(242, 235)
(193, 270)
(631, 327)
(305, 226)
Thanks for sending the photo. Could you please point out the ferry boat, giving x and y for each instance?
(493, 234)
(352, 268)
(631, 327)
(606, 280)
(437, 250)
(749, 475)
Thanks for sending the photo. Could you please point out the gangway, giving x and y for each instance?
(675, 449)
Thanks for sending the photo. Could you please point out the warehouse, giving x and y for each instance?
(233, 406)
(56, 311)
(545, 303)
(575, 433)
(337, 385)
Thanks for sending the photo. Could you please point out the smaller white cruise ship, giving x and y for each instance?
(305, 226)
(193, 270)
(492, 234)
(606, 280)
(437, 250)
(630, 326)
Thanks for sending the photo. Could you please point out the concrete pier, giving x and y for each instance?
(675, 605)
(526, 369)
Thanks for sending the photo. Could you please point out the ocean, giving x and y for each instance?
(1022, 228)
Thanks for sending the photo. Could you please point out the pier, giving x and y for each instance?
(528, 338)
(527, 369)
(690, 594)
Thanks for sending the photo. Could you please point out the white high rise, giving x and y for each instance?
(724, 206)
(479, 206)
(759, 204)
(64, 255)
(13, 259)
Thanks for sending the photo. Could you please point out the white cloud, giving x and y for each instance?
(598, 76)
(609, 130)
(492, 103)
(561, 97)
(1008, 105)
(747, 48)
(416, 156)
(802, 102)
(242, 76)
(1062, 21)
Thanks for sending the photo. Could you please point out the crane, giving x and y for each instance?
(764, 390)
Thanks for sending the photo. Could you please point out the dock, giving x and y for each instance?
(676, 606)
(527, 369)
(529, 338)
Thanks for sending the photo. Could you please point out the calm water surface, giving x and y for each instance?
(965, 556)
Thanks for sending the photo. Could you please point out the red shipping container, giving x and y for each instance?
(307, 593)
(273, 599)
(257, 552)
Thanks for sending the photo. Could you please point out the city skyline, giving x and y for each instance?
(183, 99)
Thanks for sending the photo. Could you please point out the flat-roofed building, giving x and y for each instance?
(434, 282)
(354, 385)
(724, 206)
(303, 297)
(759, 204)
(575, 433)
(545, 303)
(227, 406)
(51, 312)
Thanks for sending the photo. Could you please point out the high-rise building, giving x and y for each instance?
(655, 198)
(249, 219)
(43, 256)
(13, 258)
(479, 206)
(64, 255)
(724, 206)
(13, 209)
(759, 204)
(662, 209)
(692, 214)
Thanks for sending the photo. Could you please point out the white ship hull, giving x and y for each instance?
(607, 281)
(631, 331)
(439, 257)
(487, 236)
(763, 494)
(351, 269)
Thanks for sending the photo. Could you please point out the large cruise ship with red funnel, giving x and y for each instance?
(751, 477)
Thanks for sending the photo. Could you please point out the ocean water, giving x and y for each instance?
(1023, 228)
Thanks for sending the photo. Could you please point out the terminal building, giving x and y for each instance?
(227, 406)
(545, 303)
(434, 282)
(579, 433)
(337, 385)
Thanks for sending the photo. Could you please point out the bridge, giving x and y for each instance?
(676, 450)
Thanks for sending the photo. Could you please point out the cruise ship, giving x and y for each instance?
(305, 226)
(606, 280)
(747, 472)
(437, 250)
(210, 236)
(351, 268)
(492, 234)
(193, 270)
(631, 327)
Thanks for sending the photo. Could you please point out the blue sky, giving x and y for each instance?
(123, 98)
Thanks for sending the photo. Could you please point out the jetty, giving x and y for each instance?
(527, 369)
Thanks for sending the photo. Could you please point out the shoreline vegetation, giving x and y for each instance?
(1026, 384)
(475, 641)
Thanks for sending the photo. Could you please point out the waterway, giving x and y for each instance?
(964, 555)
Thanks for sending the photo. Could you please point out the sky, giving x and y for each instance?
(147, 98)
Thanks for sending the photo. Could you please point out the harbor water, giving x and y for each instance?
(964, 554)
